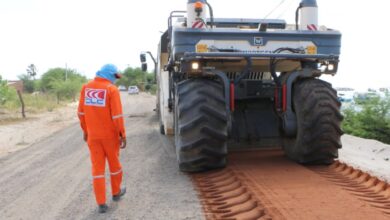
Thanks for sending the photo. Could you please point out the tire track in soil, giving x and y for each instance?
(264, 184)
(227, 197)
(361, 184)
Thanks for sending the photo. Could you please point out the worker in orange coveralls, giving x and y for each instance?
(101, 118)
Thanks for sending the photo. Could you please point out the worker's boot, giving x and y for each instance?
(119, 195)
(103, 208)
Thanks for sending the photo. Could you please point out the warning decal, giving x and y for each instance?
(198, 24)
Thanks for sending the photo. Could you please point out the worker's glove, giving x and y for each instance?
(85, 137)
(123, 142)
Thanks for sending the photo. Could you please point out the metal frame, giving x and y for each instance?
(182, 43)
(191, 55)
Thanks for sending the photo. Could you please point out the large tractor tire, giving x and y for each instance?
(318, 118)
(201, 125)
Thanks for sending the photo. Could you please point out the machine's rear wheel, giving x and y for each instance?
(201, 124)
(318, 119)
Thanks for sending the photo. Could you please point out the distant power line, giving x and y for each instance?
(272, 11)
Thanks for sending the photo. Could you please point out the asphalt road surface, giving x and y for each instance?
(52, 178)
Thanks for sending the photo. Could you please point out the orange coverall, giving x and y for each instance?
(101, 118)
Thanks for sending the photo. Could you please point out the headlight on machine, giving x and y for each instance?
(191, 67)
(331, 67)
(195, 65)
(328, 67)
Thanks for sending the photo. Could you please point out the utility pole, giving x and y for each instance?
(66, 71)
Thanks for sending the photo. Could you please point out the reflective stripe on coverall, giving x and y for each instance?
(101, 117)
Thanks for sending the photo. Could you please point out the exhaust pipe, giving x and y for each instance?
(308, 16)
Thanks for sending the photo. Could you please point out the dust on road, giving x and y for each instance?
(52, 178)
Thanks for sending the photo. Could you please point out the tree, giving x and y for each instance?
(372, 121)
(150, 78)
(32, 71)
(135, 76)
(67, 89)
(28, 84)
(131, 77)
(6, 93)
(58, 74)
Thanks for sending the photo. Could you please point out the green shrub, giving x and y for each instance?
(371, 120)
(34, 103)
(153, 89)
(28, 83)
(7, 94)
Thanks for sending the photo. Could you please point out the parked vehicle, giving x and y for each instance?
(122, 88)
(345, 94)
(133, 90)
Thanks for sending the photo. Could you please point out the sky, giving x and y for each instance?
(86, 34)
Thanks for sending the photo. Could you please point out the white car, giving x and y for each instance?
(122, 88)
(133, 90)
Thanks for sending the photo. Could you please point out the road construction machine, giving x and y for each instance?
(228, 84)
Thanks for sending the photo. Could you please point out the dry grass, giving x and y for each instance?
(4, 120)
(10, 112)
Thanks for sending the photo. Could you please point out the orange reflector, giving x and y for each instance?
(198, 5)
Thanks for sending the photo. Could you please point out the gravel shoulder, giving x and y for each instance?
(370, 156)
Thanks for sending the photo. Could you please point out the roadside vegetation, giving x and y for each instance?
(6, 93)
(56, 87)
(369, 118)
(136, 77)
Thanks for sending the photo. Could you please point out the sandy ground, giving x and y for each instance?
(51, 179)
(368, 155)
(36, 127)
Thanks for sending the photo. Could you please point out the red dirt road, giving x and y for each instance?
(264, 184)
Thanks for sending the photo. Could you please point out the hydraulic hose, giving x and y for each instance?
(211, 14)
(297, 16)
(246, 71)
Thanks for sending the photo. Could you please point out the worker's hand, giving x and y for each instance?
(85, 137)
(123, 142)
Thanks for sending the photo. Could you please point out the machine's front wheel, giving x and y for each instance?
(201, 124)
(318, 120)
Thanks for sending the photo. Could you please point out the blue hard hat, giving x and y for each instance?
(108, 71)
(194, 1)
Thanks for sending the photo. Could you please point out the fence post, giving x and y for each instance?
(22, 102)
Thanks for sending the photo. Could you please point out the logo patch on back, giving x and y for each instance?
(95, 97)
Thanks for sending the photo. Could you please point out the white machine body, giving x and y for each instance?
(309, 19)
(196, 19)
